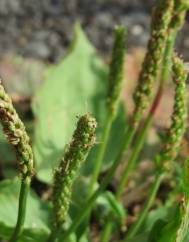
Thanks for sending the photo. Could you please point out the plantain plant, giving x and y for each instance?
(72, 205)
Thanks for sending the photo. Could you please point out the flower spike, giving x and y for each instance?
(116, 68)
(152, 62)
(179, 13)
(176, 131)
(82, 141)
(16, 134)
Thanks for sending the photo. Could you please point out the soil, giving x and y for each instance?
(43, 29)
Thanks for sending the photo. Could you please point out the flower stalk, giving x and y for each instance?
(16, 135)
(172, 140)
(174, 26)
(183, 228)
(114, 89)
(150, 69)
(116, 69)
(153, 59)
(159, 31)
(75, 154)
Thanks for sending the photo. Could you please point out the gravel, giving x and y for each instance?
(43, 29)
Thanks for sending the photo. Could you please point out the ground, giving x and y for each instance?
(43, 29)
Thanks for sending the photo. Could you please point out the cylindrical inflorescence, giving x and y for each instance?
(16, 134)
(82, 141)
(116, 68)
(175, 133)
(152, 62)
(179, 13)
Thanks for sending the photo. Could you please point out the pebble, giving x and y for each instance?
(43, 29)
(37, 49)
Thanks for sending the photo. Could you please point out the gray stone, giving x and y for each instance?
(37, 49)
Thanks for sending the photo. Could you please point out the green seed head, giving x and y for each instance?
(152, 62)
(75, 154)
(176, 131)
(116, 68)
(16, 134)
(179, 13)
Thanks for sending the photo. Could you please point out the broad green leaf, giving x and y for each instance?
(140, 238)
(166, 230)
(153, 216)
(72, 87)
(117, 208)
(107, 206)
(36, 224)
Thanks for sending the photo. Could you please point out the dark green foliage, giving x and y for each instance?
(166, 230)
(36, 227)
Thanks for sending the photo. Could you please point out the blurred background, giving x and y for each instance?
(35, 36)
(43, 29)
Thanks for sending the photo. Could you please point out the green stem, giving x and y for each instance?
(131, 163)
(128, 137)
(140, 139)
(106, 233)
(183, 229)
(24, 190)
(101, 151)
(166, 66)
(100, 154)
(89, 204)
(129, 167)
(164, 76)
(150, 200)
(184, 206)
